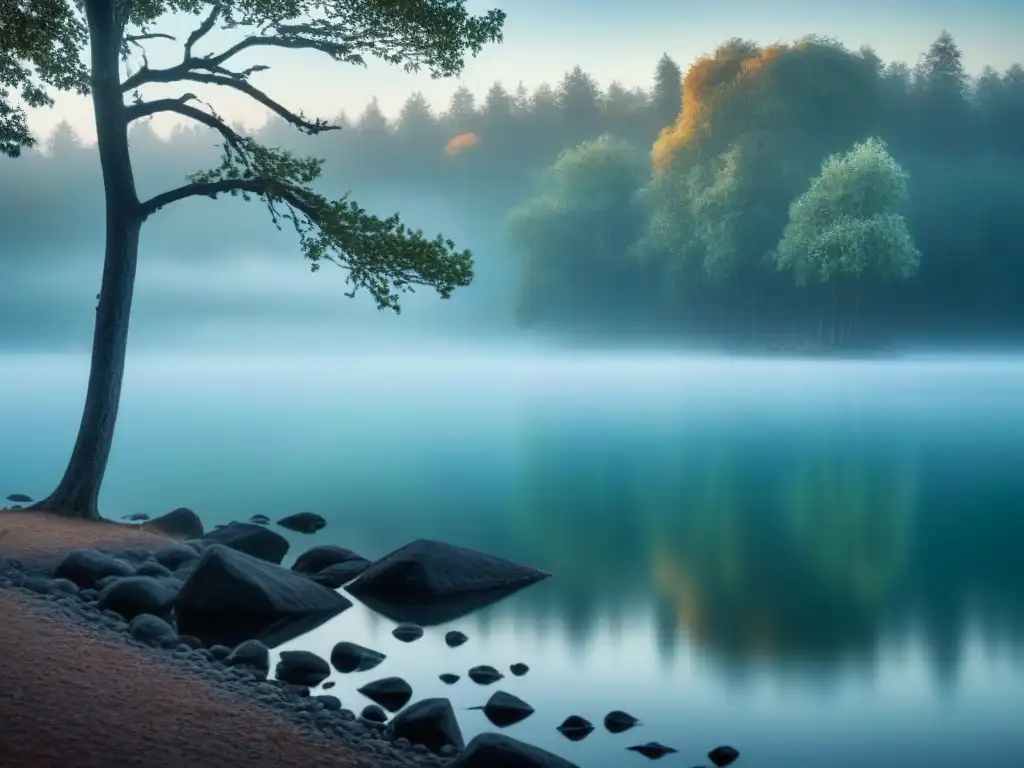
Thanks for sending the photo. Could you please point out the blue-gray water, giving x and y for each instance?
(818, 563)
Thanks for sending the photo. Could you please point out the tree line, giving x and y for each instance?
(670, 209)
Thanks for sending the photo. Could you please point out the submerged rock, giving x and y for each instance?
(430, 722)
(428, 569)
(519, 669)
(407, 633)
(19, 498)
(392, 693)
(503, 709)
(349, 657)
(576, 728)
(618, 721)
(302, 668)
(448, 678)
(652, 750)
(315, 559)
(723, 756)
(226, 584)
(495, 750)
(484, 674)
(454, 638)
(303, 522)
(180, 523)
(339, 574)
(253, 540)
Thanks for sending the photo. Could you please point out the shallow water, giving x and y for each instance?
(818, 563)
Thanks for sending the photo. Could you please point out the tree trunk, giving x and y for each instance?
(77, 494)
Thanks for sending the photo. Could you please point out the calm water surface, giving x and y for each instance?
(819, 564)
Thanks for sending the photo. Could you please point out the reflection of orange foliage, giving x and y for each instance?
(459, 144)
(705, 81)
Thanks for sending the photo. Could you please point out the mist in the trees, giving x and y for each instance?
(591, 208)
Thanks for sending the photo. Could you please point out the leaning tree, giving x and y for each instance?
(84, 45)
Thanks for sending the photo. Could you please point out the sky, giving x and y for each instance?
(610, 39)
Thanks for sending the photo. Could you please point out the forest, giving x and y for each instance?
(799, 195)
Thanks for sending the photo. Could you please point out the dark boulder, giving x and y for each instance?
(495, 750)
(519, 669)
(303, 522)
(175, 556)
(315, 559)
(426, 569)
(339, 574)
(329, 702)
(253, 540)
(392, 693)
(484, 674)
(220, 652)
(328, 685)
(454, 638)
(723, 756)
(19, 498)
(251, 653)
(407, 633)
(227, 584)
(86, 567)
(576, 728)
(349, 657)
(652, 750)
(618, 721)
(448, 678)
(504, 709)
(302, 668)
(154, 569)
(135, 595)
(430, 722)
(373, 714)
(152, 630)
(180, 523)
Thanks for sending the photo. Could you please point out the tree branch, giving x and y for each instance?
(148, 36)
(237, 82)
(211, 189)
(202, 30)
(180, 106)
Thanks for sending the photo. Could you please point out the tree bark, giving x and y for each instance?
(77, 494)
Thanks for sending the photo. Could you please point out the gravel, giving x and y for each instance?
(306, 712)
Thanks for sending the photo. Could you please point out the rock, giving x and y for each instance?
(302, 668)
(135, 595)
(227, 584)
(339, 574)
(136, 517)
(454, 638)
(251, 653)
(618, 721)
(19, 498)
(192, 642)
(175, 556)
(259, 520)
(154, 569)
(652, 750)
(723, 756)
(430, 722)
(484, 674)
(519, 669)
(428, 569)
(576, 728)
(392, 693)
(349, 657)
(86, 567)
(328, 685)
(495, 750)
(373, 714)
(448, 678)
(315, 559)
(38, 584)
(221, 652)
(152, 630)
(254, 540)
(407, 633)
(64, 585)
(504, 709)
(180, 523)
(330, 703)
(303, 522)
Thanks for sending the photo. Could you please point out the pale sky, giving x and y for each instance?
(610, 39)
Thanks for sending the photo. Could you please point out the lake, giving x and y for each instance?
(818, 563)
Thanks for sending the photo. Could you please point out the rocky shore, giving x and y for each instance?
(212, 604)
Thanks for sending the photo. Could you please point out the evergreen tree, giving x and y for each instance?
(667, 96)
